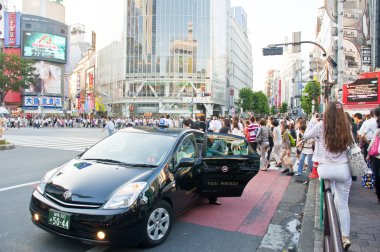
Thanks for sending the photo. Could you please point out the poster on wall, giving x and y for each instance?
(90, 78)
(44, 46)
(49, 79)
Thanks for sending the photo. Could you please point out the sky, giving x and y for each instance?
(269, 22)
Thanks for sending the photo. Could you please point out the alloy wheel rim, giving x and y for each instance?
(158, 224)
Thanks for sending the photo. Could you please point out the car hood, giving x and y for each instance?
(90, 182)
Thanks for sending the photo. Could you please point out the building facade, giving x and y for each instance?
(240, 67)
(175, 59)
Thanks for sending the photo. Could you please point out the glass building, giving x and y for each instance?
(175, 61)
(175, 54)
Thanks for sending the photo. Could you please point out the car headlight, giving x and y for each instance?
(125, 196)
(45, 179)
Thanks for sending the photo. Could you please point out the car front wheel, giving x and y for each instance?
(158, 224)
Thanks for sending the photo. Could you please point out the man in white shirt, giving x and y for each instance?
(110, 126)
(215, 125)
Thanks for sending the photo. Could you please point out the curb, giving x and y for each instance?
(7, 146)
(310, 223)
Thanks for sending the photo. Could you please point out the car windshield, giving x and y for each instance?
(135, 149)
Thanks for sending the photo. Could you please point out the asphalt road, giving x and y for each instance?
(239, 224)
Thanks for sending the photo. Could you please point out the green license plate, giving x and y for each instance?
(59, 219)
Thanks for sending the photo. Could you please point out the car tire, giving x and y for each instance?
(158, 224)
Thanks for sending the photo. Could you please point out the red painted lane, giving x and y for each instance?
(256, 223)
(250, 213)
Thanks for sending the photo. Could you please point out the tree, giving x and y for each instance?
(246, 99)
(260, 103)
(15, 74)
(313, 91)
(284, 107)
(272, 110)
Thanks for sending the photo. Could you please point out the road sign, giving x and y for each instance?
(268, 51)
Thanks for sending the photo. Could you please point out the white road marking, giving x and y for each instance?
(97, 249)
(52, 142)
(18, 186)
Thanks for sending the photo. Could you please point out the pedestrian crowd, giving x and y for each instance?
(320, 145)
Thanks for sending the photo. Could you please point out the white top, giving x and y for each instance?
(368, 128)
(110, 125)
(321, 154)
(215, 126)
(277, 138)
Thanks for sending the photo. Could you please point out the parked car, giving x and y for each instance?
(129, 187)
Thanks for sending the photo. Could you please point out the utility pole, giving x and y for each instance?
(340, 56)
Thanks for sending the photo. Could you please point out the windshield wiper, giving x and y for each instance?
(106, 160)
(140, 165)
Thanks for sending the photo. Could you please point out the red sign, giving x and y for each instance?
(365, 90)
(12, 28)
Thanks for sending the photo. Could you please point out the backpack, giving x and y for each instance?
(292, 140)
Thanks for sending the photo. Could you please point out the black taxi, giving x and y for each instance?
(129, 187)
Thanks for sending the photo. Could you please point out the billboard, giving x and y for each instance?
(45, 101)
(365, 90)
(90, 78)
(44, 46)
(12, 29)
(49, 79)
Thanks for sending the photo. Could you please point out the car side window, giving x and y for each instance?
(186, 149)
(225, 145)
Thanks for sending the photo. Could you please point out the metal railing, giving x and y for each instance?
(332, 238)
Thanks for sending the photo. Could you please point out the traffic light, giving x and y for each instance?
(268, 51)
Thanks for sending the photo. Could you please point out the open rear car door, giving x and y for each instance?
(229, 163)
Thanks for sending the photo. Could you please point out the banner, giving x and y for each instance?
(12, 29)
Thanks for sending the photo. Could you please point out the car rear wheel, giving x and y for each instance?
(158, 224)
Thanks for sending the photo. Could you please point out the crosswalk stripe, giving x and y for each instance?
(63, 143)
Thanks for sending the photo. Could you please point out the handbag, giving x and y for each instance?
(356, 160)
(259, 136)
(374, 151)
(368, 179)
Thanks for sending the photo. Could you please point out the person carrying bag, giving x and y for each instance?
(332, 137)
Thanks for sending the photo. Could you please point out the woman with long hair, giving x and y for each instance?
(332, 137)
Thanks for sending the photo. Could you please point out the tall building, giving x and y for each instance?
(175, 59)
(240, 72)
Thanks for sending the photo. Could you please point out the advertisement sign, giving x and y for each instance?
(45, 101)
(44, 46)
(364, 90)
(12, 29)
(90, 78)
(49, 79)
(2, 8)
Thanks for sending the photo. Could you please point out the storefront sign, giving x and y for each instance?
(45, 101)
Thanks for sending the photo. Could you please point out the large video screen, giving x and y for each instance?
(363, 90)
(44, 46)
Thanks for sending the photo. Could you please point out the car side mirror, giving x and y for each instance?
(186, 162)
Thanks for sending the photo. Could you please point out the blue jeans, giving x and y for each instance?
(302, 162)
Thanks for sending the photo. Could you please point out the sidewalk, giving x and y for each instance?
(365, 220)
